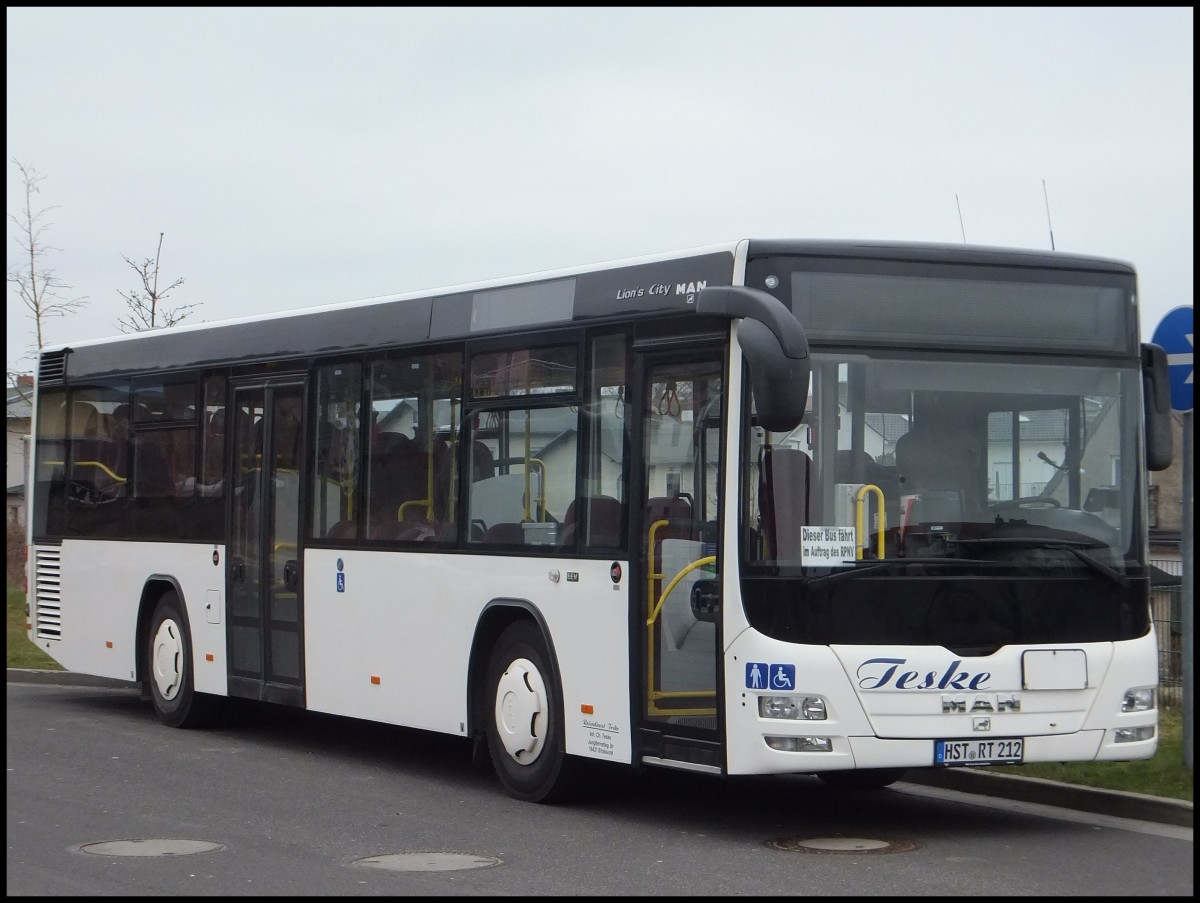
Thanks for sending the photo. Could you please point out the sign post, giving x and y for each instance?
(1175, 335)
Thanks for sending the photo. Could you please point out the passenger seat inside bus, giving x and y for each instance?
(601, 517)
(676, 510)
(483, 466)
(152, 467)
(504, 534)
(395, 475)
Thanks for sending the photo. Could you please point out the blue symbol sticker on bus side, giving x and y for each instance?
(756, 675)
(783, 677)
(341, 582)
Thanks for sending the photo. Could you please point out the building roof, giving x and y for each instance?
(20, 398)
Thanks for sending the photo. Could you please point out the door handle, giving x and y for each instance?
(291, 573)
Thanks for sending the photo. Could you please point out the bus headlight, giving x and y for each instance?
(1132, 734)
(1138, 700)
(797, 708)
(800, 744)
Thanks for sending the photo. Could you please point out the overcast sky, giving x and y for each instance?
(296, 157)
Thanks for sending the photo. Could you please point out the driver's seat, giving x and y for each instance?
(942, 464)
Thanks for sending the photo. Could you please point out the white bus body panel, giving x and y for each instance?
(886, 706)
(407, 619)
(100, 589)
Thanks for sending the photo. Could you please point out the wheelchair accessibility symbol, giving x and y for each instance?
(775, 676)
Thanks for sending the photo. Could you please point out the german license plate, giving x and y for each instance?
(994, 751)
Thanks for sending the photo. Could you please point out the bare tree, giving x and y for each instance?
(40, 290)
(146, 309)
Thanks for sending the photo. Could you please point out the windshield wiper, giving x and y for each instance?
(894, 564)
(1028, 542)
(1074, 546)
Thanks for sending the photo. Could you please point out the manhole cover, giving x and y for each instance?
(150, 846)
(839, 844)
(428, 862)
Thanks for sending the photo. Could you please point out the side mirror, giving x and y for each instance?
(775, 347)
(1156, 399)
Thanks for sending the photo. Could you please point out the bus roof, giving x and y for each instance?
(632, 287)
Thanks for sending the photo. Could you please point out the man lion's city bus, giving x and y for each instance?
(794, 507)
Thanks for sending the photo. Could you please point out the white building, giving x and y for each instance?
(20, 411)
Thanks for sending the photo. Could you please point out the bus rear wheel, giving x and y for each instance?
(169, 669)
(523, 712)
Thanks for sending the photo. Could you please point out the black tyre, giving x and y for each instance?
(169, 669)
(522, 708)
(862, 778)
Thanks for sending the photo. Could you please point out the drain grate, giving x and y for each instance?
(840, 844)
(428, 862)
(150, 846)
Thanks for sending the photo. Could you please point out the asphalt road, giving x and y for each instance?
(102, 800)
(1033, 790)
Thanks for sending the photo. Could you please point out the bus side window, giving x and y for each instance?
(335, 476)
(533, 454)
(210, 480)
(214, 453)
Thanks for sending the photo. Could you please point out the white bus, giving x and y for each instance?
(784, 506)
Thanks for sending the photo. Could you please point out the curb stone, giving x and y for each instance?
(1118, 803)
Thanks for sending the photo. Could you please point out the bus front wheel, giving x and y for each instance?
(169, 667)
(523, 710)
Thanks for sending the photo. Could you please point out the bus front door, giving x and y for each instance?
(263, 584)
(678, 607)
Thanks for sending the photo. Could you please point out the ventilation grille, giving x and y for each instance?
(52, 368)
(47, 569)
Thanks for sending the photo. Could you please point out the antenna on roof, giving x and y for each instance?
(1048, 223)
(960, 219)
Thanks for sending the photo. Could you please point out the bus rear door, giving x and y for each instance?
(263, 585)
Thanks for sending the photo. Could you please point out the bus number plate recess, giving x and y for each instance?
(995, 751)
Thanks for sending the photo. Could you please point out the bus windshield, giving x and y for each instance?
(1020, 462)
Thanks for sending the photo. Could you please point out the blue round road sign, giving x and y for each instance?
(1174, 334)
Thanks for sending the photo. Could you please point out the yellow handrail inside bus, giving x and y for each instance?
(427, 504)
(653, 694)
(99, 464)
(102, 466)
(699, 562)
(859, 500)
(652, 573)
